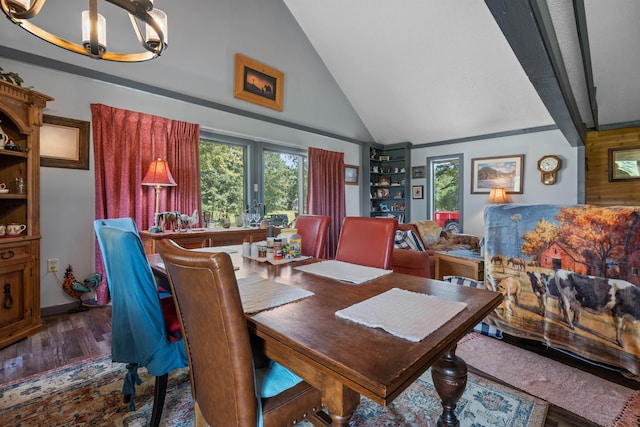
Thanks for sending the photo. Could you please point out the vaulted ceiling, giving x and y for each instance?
(428, 71)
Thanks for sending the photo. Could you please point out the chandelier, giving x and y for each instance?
(94, 28)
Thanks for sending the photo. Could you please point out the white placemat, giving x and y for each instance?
(257, 294)
(278, 261)
(215, 249)
(405, 314)
(344, 271)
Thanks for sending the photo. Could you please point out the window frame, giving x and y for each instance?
(430, 183)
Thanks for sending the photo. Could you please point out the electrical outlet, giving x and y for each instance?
(52, 264)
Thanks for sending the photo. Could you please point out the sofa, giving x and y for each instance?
(570, 278)
(420, 261)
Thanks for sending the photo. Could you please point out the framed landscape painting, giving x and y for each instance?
(502, 171)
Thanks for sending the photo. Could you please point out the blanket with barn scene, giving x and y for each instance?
(570, 278)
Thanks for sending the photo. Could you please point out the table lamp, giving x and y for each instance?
(158, 175)
(498, 195)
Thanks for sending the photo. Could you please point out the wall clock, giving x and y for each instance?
(548, 167)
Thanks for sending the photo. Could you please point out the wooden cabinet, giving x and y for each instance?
(388, 175)
(205, 237)
(20, 119)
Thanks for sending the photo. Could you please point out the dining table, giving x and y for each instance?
(345, 359)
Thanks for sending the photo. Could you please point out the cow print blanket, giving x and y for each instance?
(570, 278)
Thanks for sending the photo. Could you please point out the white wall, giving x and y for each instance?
(533, 146)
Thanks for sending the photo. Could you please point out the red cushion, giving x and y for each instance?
(171, 321)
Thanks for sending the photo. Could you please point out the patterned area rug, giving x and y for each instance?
(88, 393)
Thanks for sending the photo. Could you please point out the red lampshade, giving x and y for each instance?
(159, 175)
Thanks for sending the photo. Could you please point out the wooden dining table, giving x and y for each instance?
(345, 359)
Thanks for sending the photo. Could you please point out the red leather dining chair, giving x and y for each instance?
(313, 230)
(227, 387)
(367, 241)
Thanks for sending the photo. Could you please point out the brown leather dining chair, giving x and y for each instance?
(313, 230)
(367, 241)
(223, 377)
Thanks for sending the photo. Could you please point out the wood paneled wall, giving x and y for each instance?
(598, 189)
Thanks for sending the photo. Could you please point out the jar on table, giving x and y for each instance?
(293, 241)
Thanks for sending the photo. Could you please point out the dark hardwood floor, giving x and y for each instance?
(65, 338)
(69, 338)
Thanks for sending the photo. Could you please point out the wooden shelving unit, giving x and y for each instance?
(388, 177)
(20, 119)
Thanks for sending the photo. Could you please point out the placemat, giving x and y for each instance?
(215, 249)
(405, 314)
(278, 261)
(257, 294)
(344, 271)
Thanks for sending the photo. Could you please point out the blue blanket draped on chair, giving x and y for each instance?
(139, 334)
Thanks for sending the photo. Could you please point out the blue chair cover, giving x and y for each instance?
(139, 336)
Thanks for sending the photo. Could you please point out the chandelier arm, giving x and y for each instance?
(137, 9)
(10, 6)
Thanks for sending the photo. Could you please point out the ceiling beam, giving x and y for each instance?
(527, 26)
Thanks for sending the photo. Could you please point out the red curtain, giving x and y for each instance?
(125, 143)
(325, 195)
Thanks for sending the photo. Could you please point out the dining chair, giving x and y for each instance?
(145, 328)
(227, 389)
(367, 241)
(313, 230)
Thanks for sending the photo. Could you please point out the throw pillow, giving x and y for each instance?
(482, 327)
(429, 232)
(275, 379)
(408, 240)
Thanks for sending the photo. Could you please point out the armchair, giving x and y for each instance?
(408, 261)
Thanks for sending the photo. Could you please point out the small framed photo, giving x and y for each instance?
(417, 191)
(351, 174)
(382, 193)
(384, 158)
(624, 164)
(384, 180)
(399, 194)
(418, 172)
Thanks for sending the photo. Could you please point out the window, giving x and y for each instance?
(445, 195)
(222, 179)
(285, 184)
(239, 176)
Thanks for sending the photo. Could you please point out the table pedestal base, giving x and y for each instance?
(449, 376)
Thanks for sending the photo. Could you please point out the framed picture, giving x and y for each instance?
(418, 172)
(351, 175)
(399, 194)
(503, 171)
(382, 193)
(64, 143)
(384, 180)
(417, 191)
(624, 164)
(384, 158)
(258, 83)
